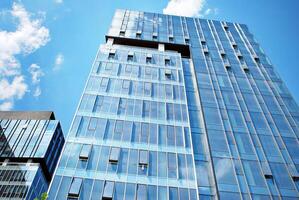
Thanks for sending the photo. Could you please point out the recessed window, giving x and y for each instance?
(138, 35)
(108, 190)
(155, 36)
(245, 68)
(167, 61)
(187, 40)
(85, 151)
(148, 58)
(168, 73)
(204, 46)
(114, 154)
(122, 33)
(130, 57)
(112, 54)
(75, 188)
(171, 38)
(257, 59)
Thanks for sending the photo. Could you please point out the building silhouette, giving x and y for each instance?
(180, 108)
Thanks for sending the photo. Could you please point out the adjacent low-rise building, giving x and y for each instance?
(30, 145)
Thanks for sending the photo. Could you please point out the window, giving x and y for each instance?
(75, 188)
(148, 58)
(130, 191)
(172, 165)
(108, 66)
(244, 144)
(218, 142)
(118, 130)
(122, 106)
(147, 72)
(112, 54)
(108, 190)
(138, 34)
(98, 104)
(167, 61)
(281, 123)
(171, 38)
(85, 151)
(269, 146)
(251, 102)
(162, 164)
(147, 89)
(168, 73)
(224, 171)
(122, 33)
(235, 118)
(104, 83)
(126, 85)
(119, 191)
(155, 36)
(258, 120)
(141, 192)
(143, 158)
(281, 176)
(92, 124)
(253, 173)
(128, 69)
(204, 46)
(114, 154)
(202, 168)
(130, 57)
(170, 136)
(168, 91)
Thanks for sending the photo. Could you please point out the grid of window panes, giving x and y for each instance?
(130, 137)
(244, 122)
(21, 180)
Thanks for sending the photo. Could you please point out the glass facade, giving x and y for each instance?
(180, 108)
(30, 145)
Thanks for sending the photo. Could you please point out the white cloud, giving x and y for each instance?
(29, 36)
(12, 89)
(36, 73)
(37, 92)
(58, 62)
(6, 106)
(188, 8)
(58, 1)
(210, 11)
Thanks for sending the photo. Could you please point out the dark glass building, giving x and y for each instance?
(30, 145)
(181, 108)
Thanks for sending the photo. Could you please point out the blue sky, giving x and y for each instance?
(47, 47)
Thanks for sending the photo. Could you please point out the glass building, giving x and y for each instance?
(181, 108)
(30, 145)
